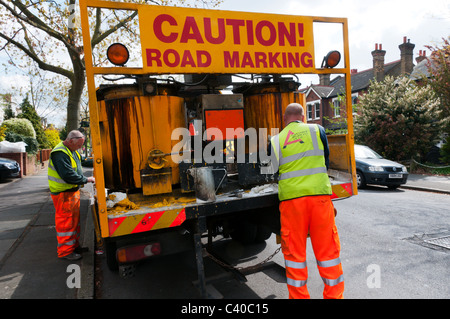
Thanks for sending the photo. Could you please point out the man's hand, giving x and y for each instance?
(91, 179)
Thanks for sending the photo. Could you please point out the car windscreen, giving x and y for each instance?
(365, 152)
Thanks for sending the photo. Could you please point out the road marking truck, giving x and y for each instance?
(180, 147)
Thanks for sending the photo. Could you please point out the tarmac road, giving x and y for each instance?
(383, 255)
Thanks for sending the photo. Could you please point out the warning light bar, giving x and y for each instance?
(117, 54)
(331, 59)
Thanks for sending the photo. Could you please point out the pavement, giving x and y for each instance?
(437, 184)
(29, 267)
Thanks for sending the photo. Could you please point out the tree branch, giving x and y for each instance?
(101, 36)
(34, 57)
(34, 21)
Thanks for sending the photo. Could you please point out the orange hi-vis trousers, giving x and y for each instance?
(316, 215)
(67, 221)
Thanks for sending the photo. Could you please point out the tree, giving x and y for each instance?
(19, 126)
(52, 136)
(29, 113)
(399, 119)
(44, 31)
(7, 108)
(439, 68)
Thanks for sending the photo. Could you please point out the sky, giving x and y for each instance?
(424, 22)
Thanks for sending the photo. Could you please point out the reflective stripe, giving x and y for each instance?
(50, 164)
(73, 233)
(58, 180)
(312, 130)
(329, 263)
(333, 282)
(295, 157)
(69, 243)
(303, 172)
(296, 283)
(296, 265)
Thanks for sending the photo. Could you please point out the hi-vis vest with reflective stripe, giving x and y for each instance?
(55, 182)
(300, 154)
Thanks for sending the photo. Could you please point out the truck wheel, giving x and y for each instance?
(110, 250)
(263, 233)
(244, 232)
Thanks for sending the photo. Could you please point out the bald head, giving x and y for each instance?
(293, 112)
(74, 140)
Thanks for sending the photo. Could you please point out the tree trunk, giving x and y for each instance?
(73, 103)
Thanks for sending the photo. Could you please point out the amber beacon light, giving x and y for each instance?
(117, 54)
(331, 59)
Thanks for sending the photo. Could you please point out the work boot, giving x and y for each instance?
(73, 256)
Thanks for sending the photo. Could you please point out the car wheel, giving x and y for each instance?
(360, 180)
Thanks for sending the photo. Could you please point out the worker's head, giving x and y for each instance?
(74, 140)
(293, 112)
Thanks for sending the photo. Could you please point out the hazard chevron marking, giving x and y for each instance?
(342, 190)
(120, 226)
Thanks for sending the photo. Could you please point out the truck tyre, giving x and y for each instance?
(263, 233)
(110, 251)
(244, 232)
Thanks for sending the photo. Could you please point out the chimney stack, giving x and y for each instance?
(422, 56)
(324, 79)
(406, 56)
(378, 62)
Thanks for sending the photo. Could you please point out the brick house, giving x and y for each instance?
(324, 104)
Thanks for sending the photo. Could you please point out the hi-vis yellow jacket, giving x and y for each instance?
(300, 154)
(55, 182)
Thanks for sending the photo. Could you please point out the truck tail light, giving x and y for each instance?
(135, 253)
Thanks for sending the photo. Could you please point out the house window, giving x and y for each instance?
(309, 111)
(313, 110)
(336, 107)
(354, 102)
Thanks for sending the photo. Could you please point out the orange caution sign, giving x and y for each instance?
(186, 40)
